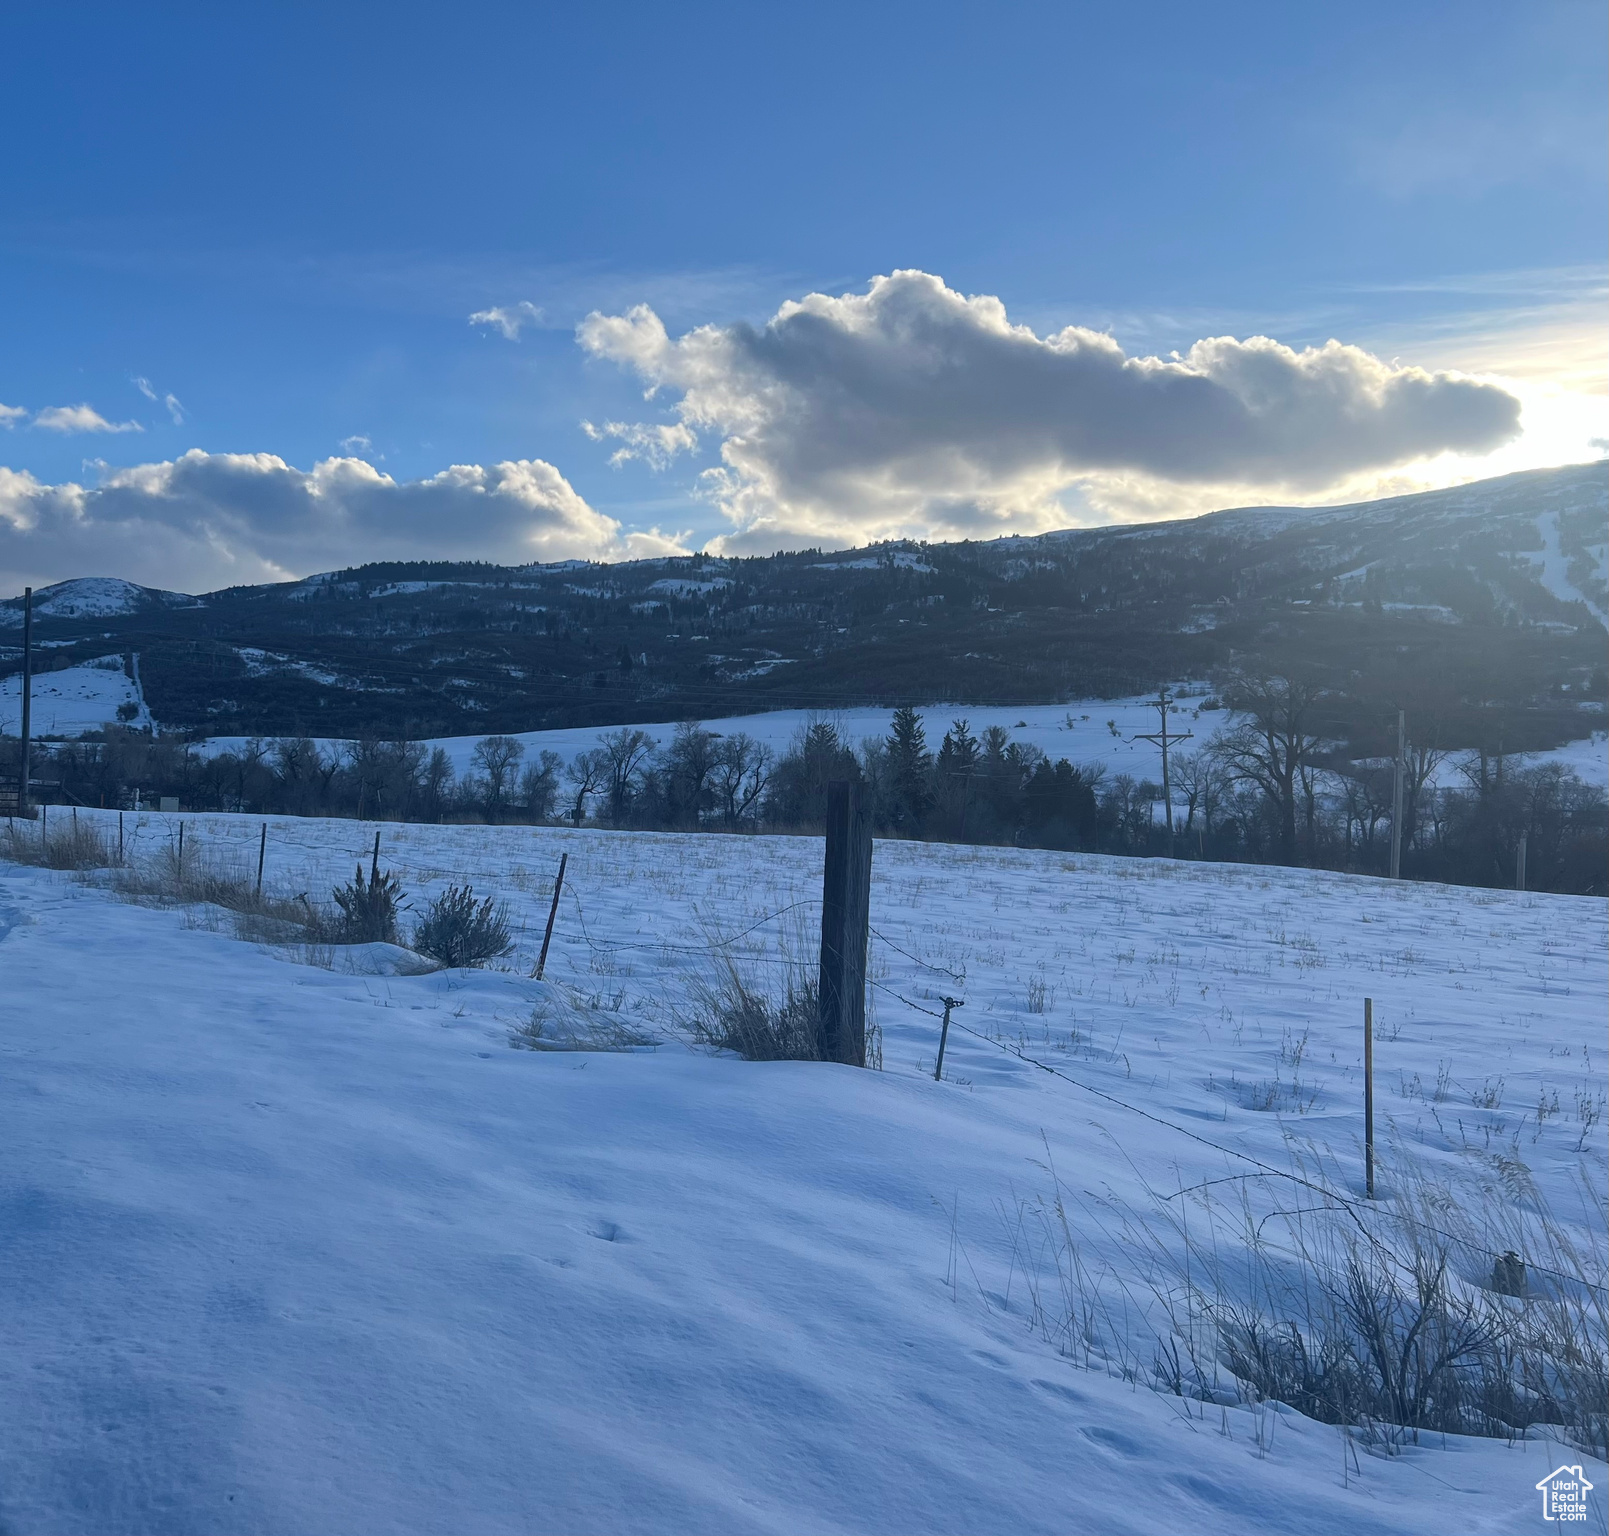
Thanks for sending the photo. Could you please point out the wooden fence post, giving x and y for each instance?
(553, 912)
(846, 891)
(262, 852)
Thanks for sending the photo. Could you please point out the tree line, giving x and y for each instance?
(1267, 790)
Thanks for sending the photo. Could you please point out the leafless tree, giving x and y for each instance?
(539, 785)
(742, 769)
(691, 762)
(587, 774)
(1200, 780)
(1271, 745)
(626, 752)
(497, 758)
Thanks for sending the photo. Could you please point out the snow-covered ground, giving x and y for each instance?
(1553, 568)
(74, 700)
(1085, 731)
(300, 1249)
(86, 698)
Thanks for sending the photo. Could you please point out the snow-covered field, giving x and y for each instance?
(1084, 731)
(289, 1248)
(74, 700)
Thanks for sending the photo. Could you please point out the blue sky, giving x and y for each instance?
(262, 231)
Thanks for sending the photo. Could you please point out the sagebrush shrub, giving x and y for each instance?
(368, 908)
(458, 930)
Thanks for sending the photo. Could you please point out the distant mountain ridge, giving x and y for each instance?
(1499, 590)
(93, 597)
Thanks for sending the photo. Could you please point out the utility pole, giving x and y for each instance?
(27, 696)
(1368, 1094)
(1162, 739)
(1396, 795)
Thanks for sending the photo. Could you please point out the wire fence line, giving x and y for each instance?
(663, 946)
(1355, 1208)
(938, 970)
(163, 826)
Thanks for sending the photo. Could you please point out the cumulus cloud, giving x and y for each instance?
(80, 418)
(204, 521)
(10, 415)
(913, 409)
(510, 319)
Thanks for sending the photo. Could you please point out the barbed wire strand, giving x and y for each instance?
(1353, 1207)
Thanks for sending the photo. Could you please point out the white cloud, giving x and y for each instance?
(169, 401)
(510, 319)
(914, 410)
(10, 415)
(656, 443)
(203, 521)
(80, 418)
(358, 443)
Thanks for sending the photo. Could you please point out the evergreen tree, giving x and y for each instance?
(910, 772)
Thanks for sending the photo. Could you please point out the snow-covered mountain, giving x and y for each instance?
(94, 597)
(1495, 592)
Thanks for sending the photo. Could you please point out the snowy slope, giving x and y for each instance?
(93, 597)
(1085, 731)
(74, 700)
(1554, 568)
(292, 1250)
(1089, 738)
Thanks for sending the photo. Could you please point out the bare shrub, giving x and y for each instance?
(261, 916)
(1420, 1316)
(457, 930)
(368, 908)
(732, 1013)
(554, 1029)
(77, 845)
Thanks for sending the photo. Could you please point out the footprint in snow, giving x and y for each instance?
(609, 1232)
(1113, 1441)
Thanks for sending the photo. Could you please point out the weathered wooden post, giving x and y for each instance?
(1519, 865)
(846, 893)
(553, 912)
(262, 853)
